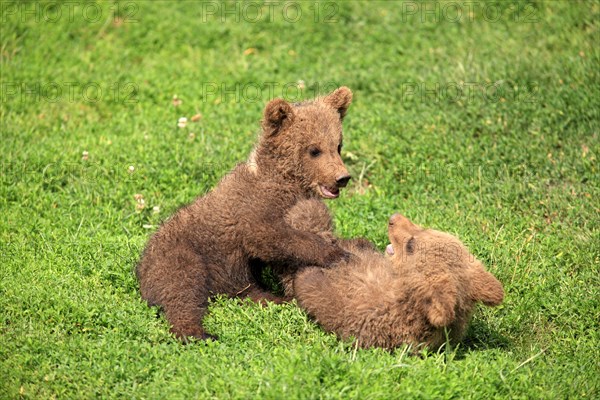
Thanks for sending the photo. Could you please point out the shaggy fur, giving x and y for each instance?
(426, 284)
(313, 216)
(209, 247)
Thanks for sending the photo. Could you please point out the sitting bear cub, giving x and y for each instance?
(426, 284)
(211, 246)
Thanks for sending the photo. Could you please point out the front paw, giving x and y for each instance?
(336, 255)
(362, 244)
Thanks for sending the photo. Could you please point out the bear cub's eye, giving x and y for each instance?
(314, 152)
(410, 245)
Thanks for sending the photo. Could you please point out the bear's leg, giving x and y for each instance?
(185, 321)
(184, 291)
(286, 245)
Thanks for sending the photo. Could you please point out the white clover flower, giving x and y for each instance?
(140, 203)
(176, 101)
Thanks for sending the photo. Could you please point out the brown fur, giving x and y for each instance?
(209, 246)
(313, 216)
(428, 286)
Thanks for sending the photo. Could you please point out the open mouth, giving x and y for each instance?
(390, 249)
(329, 193)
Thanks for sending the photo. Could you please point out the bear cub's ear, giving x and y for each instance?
(339, 99)
(442, 301)
(278, 115)
(486, 288)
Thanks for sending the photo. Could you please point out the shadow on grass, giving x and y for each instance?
(480, 337)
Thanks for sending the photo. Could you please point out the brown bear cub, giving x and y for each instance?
(209, 247)
(426, 285)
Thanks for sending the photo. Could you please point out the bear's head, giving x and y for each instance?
(448, 279)
(302, 142)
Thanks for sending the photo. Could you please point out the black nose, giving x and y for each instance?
(342, 181)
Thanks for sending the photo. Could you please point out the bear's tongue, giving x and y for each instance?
(330, 193)
(390, 249)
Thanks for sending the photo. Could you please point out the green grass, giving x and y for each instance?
(513, 173)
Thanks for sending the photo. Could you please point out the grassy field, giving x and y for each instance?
(481, 119)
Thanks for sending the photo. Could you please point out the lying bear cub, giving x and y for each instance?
(423, 289)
